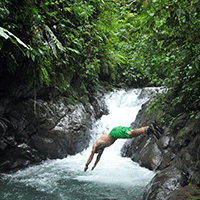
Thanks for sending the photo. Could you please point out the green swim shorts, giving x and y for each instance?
(120, 132)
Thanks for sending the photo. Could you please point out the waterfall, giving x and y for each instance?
(114, 177)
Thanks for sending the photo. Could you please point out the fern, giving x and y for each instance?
(14, 39)
(54, 43)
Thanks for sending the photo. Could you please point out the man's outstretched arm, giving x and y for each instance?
(98, 158)
(89, 159)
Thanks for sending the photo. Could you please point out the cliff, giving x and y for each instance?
(175, 157)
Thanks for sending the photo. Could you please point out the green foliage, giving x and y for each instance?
(161, 43)
(63, 41)
(126, 42)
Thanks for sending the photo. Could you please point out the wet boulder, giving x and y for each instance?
(184, 169)
(185, 193)
(68, 133)
(189, 161)
(164, 183)
(143, 150)
(20, 156)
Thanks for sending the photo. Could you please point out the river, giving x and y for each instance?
(114, 177)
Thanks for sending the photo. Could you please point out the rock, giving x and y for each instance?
(143, 150)
(190, 157)
(3, 129)
(3, 145)
(147, 92)
(188, 192)
(19, 157)
(176, 154)
(32, 131)
(142, 119)
(4, 125)
(179, 123)
(5, 105)
(5, 165)
(164, 183)
(176, 109)
(183, 169)
(69, 136)
(147, 150)
(99, 107)
(151, 157)
(164, 142)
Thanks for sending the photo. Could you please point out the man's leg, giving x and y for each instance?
(137, 132)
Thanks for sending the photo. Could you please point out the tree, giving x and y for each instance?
(161, 43)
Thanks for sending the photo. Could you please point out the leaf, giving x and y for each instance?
(45, 75)
(8, 35)
(179, 12)
(28, 54)
(53, 41)
(32, 56)
(73, 50)
(145, 4)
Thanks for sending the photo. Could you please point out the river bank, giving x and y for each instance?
(174, 157)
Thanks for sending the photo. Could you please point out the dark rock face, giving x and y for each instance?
(52, 130)
(64, 131)
(185, 193)
(182, 171)
(145, 151)
(164, 182)
(175, 156)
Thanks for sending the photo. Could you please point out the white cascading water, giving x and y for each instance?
(114, 177)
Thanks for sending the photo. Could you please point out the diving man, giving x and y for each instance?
(108, 139)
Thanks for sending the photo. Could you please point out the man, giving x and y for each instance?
(120, 132)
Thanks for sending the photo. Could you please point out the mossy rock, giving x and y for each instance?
(189, 192)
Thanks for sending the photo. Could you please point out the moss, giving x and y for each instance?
(189, 192)
(197, 165)
(195, 193)
(186, 131)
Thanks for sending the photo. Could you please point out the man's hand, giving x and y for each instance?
(93, 166)
(86, 167)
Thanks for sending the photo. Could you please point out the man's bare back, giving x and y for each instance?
(104, 141)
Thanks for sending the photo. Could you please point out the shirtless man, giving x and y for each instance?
(120, 132)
